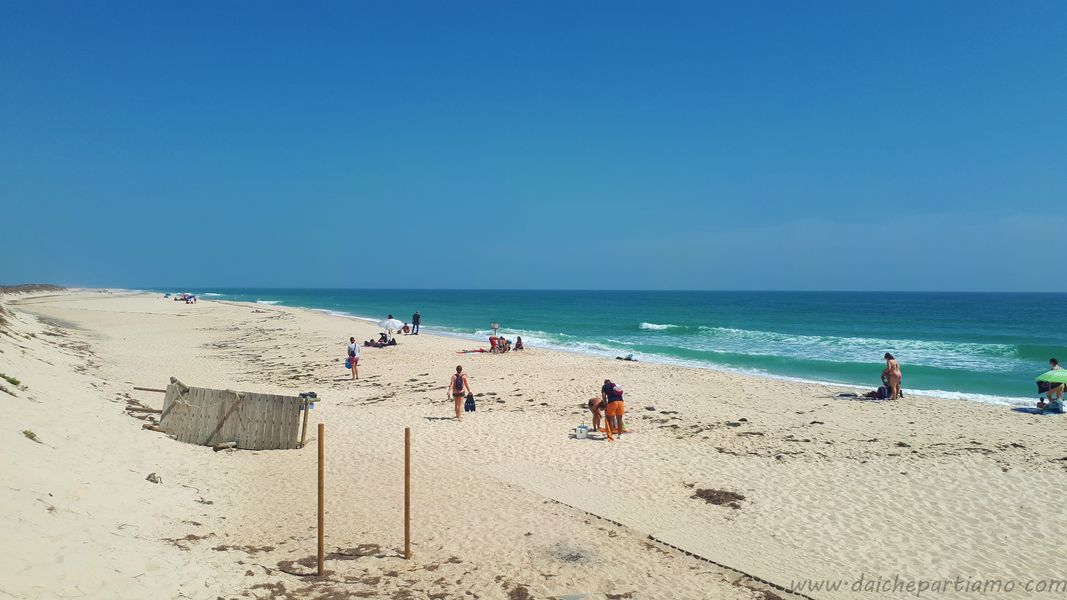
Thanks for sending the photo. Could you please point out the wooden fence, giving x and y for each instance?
(210, 417)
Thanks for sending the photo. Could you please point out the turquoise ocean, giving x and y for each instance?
(985, 347)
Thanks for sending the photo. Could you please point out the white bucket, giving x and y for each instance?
(581, 431)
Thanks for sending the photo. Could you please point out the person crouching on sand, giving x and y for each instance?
(596, 406)
(353, 357)
(458, 388)
(892, 375)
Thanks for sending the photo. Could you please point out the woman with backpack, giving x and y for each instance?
(458, 388)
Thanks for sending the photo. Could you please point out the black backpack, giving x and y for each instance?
(469, 405)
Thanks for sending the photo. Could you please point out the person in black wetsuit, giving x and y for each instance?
(416, 320)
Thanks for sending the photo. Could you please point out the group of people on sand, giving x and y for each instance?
(891, 378)
(501, 344)
(384, 339)
(411, 328)
(608, 410)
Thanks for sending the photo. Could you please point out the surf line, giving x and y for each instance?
(739, 573)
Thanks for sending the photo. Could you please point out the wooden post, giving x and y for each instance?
(304, 428)
(322, 499)
(181, 386)
(407, 493)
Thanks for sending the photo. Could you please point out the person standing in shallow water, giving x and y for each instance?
(458, 388)
(416, 320)
(892, 375)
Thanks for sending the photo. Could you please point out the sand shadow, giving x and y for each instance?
(589, 437)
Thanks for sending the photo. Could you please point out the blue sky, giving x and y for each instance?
(695, 145)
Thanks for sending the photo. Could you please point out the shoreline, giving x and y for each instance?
(987, 399)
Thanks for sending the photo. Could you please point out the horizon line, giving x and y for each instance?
(487, 289)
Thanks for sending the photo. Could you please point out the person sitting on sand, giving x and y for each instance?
(406, 329)
(597, 406)
(892, 375)
(1054, 395)
(505, 344)
(518, 342)
(353, 357)
(458, 387)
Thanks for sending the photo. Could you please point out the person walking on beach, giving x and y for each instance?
(892, 375)
(459, 387)
(416, 320)
(353, 357)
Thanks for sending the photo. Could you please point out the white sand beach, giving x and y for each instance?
(507, 503)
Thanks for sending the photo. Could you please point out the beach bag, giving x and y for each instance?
(469, 405)
(348, 363)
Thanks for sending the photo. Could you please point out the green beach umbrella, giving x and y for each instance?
(1054, 376)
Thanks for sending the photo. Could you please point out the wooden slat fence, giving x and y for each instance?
(208, 417)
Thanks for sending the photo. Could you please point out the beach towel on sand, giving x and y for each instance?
(1033, 410)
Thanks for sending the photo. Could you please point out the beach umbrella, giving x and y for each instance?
(391, 325)
(1054, 376)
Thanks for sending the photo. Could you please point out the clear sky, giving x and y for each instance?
(697, 145)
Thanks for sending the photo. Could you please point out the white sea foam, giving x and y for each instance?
(268, 302)
(838, 349)
(343, 314)
(657, 326)
(211, 295)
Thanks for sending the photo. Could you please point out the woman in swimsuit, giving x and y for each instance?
(458, 388)
(892, 375)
